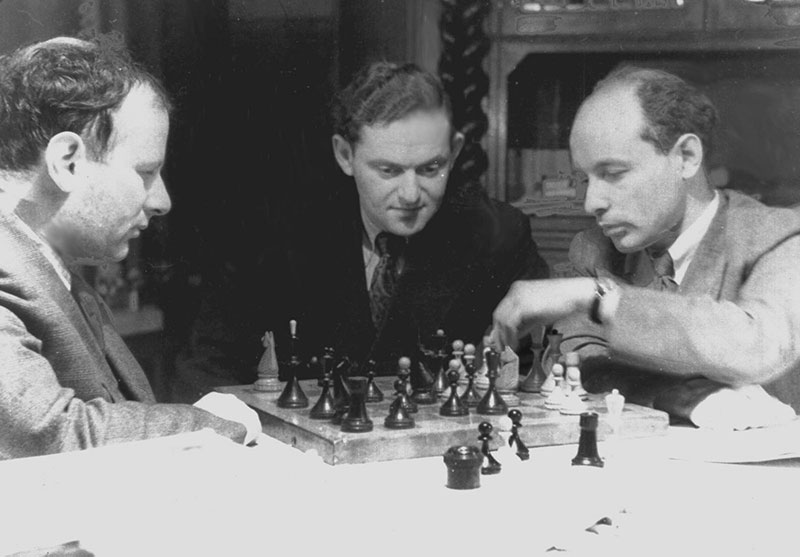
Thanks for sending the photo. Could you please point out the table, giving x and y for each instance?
(199, 494)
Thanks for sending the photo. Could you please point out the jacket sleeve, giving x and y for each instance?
(39, 416)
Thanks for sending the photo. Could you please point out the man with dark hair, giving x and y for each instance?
(689, 300)
(394, 257)
(83, 136)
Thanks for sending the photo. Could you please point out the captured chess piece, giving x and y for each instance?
(398, 417)
(470, 398)
(463, 467)
(293, 395)
(267, 381)
(357, 420)
(490, 464)
(505, 453)
(453, 406)
(536, 375)
(324, 408)
(555, 400)
(516, 422)
(491, 403)
(374, 394)
(587, 443)
(404, 372)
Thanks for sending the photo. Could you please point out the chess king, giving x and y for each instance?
(84, 134)
(688, 299)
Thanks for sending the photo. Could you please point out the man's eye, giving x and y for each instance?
(388, 170)
(431, 169)
(612, 174)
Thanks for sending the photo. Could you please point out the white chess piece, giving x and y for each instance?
(573, 359)
(573, 405)
(556, 398)
(506, 454)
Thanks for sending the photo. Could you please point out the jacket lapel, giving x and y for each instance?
(707, 270)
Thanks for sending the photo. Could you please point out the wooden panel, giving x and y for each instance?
(617, 17)
(742, 14)
(433, 434)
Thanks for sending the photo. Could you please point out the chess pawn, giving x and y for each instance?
(492, 403)
(481, 378)
(516, 423)
(404, 372)
(374, 394)
(573, 360)
(398, 418)
(458, 354)
(536, 375)
(267, 381)
(551, 356)
(505, 453)
(324, 408)
(490, 463)
(572, 404)
(470, 398)
(453, 406)
(587, 443)
(357, 420)
(556, 397)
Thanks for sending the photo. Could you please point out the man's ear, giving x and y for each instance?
(690, 150)
(64, 153)
(343, 152)
(455, 147)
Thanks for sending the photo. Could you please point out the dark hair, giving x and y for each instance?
(384, 92)
(63, 84)
(671, 106)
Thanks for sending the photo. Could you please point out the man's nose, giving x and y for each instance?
(409, 190)
(158, 202)
(596, 202)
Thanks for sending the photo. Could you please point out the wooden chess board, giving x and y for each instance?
(433, 434)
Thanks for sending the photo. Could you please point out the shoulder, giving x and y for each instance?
(755, 226)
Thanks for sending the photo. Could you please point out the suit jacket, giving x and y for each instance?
(67, 379)
(736, 313)
(455, 273)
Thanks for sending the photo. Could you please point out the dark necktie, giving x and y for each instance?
(384, 279)
(664, 273)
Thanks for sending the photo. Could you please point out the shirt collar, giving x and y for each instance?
(683, 248)
(370, 232)
(47, 251)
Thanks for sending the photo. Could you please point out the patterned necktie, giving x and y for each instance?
(384, 279)
(664, 273)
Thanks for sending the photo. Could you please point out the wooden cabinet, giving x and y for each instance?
(547, 56)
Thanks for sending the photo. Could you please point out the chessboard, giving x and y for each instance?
(433, 434)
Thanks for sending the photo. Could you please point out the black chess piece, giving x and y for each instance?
(438, 344)
(357, 420)
(324, 408)
(341, 396)
(404, 372)
(453, 405)
(491, 403)
(398, 418)
(490, 464)
(516, 419)
(587, 443)
(470, 398)
(421, 378)
(292, 395)
(374, 394)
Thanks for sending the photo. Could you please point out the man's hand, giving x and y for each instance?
(228, 407)
(539, 302)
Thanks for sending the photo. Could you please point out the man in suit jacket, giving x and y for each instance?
(454, 252)
(690, 298)
(84, 138)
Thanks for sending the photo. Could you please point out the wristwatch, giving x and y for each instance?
(602, 286)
